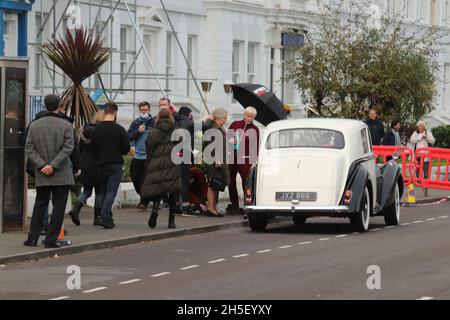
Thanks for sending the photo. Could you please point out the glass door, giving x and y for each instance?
(13, 161)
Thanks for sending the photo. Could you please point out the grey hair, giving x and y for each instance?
(219, 113)
(251, 110)
(421, 122)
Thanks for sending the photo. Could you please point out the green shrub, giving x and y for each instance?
(442, 135)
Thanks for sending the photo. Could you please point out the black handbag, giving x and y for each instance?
(216, 184)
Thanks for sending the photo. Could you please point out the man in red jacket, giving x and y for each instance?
(245, 151)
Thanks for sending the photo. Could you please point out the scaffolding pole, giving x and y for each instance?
(184, 56)
(145, 50)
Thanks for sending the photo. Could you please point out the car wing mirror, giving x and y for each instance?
(395, 156)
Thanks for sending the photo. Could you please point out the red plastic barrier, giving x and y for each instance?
(406, 155)
(427, 176)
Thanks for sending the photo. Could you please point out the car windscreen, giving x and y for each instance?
(306, 138)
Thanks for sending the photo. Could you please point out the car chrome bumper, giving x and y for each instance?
(296, 209)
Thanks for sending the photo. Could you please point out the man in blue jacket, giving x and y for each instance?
(137, 134)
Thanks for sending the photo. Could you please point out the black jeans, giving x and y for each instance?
(173, 198)
(59, 196)
(137, 174)
(110, 176)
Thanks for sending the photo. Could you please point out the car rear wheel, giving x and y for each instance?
(360, 220)
(257, 224)
(392, 213)
(299, 220)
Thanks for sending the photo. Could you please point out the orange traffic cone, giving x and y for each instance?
(61, 239)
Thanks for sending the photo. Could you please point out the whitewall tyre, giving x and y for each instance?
(360, 221)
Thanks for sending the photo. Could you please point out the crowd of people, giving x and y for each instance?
(421, 138)
(60, 157)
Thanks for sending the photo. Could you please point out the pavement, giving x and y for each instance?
(132, 228)
(323, 259)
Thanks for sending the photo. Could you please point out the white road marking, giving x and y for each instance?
(324, 239)
(355, 233)
(405, 224)
(265, 251)
(60, 298)
(130, 281)
(342, 236)
(285, 247)
(216, 261)
(431, 219)
(159, 274)
(443, 217)
(418, 221)
(303, 243)
(190, 267)
(390, 227)
(95, 290)
(241, 255)
(373, 230)
(426, 298)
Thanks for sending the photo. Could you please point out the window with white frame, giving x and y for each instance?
(168, 59)
(425, 11)
(251, 56)
(38, 69)
(10, 27)
(123, 54)
(446, 86)
(411, 10)
(191, 56)
(104, 35)
(236, 61)
(446, 14)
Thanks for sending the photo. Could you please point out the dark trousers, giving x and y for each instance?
(110, 176)
(59, 196)
(172, 200)
(243, 170)
(137, 168)
(185, 175)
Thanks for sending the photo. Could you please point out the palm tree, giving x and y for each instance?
(79, 56)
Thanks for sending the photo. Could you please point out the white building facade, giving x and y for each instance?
(223, 40)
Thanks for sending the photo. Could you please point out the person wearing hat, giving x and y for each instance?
(49, 144)
(185, 121)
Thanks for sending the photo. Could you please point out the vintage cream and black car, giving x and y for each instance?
(321, 167)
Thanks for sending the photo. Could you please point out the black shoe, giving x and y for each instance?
(107, 225)
(210, 214)
(97, 214)
(53, 245)
(153, 219)
(75, 213)
(30, 243)
(172, 221)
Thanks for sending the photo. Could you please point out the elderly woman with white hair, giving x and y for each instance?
(421, 138)
(217, 169)
(245, 150)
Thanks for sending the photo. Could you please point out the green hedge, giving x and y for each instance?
(442, 135)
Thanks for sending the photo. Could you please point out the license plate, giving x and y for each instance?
(299, 196)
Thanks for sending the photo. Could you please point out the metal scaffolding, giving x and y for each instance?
(97, 8)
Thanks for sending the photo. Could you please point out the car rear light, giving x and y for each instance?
(347, 197)
(248, 196)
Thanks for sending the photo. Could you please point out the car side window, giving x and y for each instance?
(365, 141)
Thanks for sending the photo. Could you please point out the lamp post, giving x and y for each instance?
(229, 91)
(206, 88)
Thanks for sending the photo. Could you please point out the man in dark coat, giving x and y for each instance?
(162, 175)
(109, 143)
(48, 146)
(392, 137)
(376, 127)
(185, 121)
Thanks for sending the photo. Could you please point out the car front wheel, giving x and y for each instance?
(360, 220)
(257, 224)
(392, 213)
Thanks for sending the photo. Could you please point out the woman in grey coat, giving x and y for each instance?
(162, 175)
